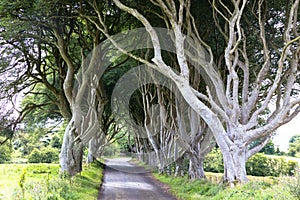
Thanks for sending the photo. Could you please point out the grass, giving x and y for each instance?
(42, 181)
(256, 188)
(88, 183)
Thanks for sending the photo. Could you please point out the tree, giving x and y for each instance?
(35, 45)
(269, 148)
(228, 78)
(235, 104)
(44, 44)
(5, 152)
(294, 146)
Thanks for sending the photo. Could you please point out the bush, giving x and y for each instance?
(257, 165)
(214, 161)
(45, 155)
(294, 187)
(5, 153)
(55, 142)
(262, 165)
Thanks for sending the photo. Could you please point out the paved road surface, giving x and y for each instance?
(125, 181)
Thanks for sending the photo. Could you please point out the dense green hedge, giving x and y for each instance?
(45, 155)
(262, 165)
(257, 165)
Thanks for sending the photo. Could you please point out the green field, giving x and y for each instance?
(42, 181)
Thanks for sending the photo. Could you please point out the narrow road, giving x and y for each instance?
(126, 181)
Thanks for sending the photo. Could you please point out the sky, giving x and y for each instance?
(285, 132)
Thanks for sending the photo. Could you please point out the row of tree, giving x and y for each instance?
(223, 72)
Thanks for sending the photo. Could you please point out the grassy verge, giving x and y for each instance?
(42, 181)
(256, 189)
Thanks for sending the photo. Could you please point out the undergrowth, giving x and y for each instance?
(43, 181)
(186, 189)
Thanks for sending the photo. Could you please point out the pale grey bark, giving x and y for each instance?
(96, 146)
(86, 105)
(240, 117)
(71, 152)
(200, 141)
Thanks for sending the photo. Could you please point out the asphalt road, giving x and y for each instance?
(126, 181)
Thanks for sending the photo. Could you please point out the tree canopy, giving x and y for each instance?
(217, 71)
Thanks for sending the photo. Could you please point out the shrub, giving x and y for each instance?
(257, 165)
(294, 187)
(34, 156)
(214, 161)
(45, 155)
(55, 142)
(262, 165)
(5, 153)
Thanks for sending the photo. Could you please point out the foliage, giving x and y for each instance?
(258, 165)
(6, 134)
(294, 146)
(214, 162)
(55, 142)
(43, 181)
(125, 142)
(294, 138)
(42, 109)
(111, 150)
(269, 148)
(294, 186)
(183, 188)
(29, 139)
(262, 165)
(22, 182)
(34, 136)
(45, 155)
(5, 153)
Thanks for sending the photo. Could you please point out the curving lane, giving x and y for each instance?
(126, 181)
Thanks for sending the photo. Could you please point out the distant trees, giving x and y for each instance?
(294, 146)
(269, 148)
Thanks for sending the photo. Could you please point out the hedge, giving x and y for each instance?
(257, 165)
(45, 155)
(262, 165)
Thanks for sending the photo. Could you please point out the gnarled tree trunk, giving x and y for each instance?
(235, 165)
(196, 169)
(71, 152)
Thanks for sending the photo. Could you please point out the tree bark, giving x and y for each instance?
(71, 152)
(92, 150)
(196, 169)
(235, 166)
(96, 146)
(238, 108)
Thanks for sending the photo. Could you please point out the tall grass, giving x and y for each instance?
(186, 189)
(43, 181)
